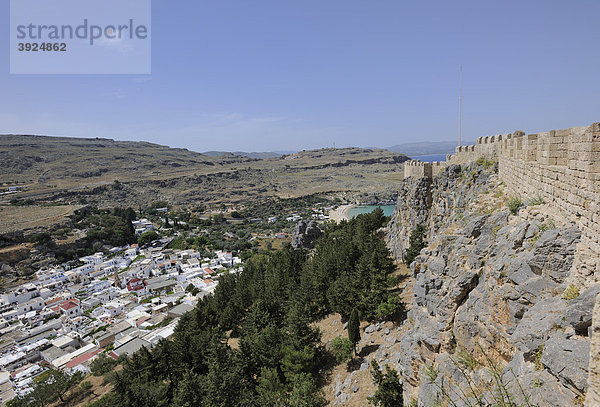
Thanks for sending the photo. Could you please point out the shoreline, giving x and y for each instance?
(341, 213)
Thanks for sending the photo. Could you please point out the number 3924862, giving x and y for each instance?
(44, 46)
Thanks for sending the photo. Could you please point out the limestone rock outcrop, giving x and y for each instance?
(490, 296)
(306, 234)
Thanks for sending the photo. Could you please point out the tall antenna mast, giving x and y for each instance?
(460, 106)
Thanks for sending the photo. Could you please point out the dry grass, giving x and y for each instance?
(13, 218)
(75, 399)
(149, 172)
(332, 327)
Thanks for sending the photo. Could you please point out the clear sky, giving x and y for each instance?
(298, 74)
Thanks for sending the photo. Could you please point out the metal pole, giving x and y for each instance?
(460, 106)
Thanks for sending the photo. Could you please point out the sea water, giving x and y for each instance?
(358, 210)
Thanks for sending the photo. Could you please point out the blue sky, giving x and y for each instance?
(283, 75)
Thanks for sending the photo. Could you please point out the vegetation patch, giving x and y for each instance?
(270, 308)
(485, 162)
(571, 292)
(538, 200)
(514, 203)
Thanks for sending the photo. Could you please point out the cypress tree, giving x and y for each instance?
(354, 328)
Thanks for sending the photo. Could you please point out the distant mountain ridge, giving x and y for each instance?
(106, 172)
(410, 149)
(426, 147)
(254, 154)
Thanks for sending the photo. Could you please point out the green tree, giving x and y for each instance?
(350, 267)
(54, 384)
(389, 387)
(342, 349)
(271, 390)
(354, 329)
(416, 242)
(305, 392)
(390, 308)
(147, 237)
(102, 365)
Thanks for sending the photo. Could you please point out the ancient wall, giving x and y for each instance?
(560, 166)
(417, 169)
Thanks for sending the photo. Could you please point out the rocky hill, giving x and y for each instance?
(105, 171)
(495, 306)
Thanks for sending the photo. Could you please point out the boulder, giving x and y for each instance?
(567, 359)
(305, 234)
(473, 228)
(579, 311)
(537, 325)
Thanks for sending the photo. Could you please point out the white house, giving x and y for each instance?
(70, 308)
(21, 294)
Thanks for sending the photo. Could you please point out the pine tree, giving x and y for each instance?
(389, 387)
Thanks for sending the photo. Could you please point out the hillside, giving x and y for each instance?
(75, 170)
(73, 162)
(255, 154)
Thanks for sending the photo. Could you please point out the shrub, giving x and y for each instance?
(571, 292)
(514, 203)
(538, 200)
(342, 349)
(389, 387)
(389, 309)
(431, 372)
(466, 360)
(485, 163)
(41, 238)
(500, 391)
(86, 386)
(547, 226)
(537, 358)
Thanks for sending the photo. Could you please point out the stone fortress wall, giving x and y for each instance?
(419, 169)
(560, 166)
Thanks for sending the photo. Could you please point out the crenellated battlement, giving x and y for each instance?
(560, 166)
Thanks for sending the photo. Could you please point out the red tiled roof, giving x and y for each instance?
(69, 304)
(209, 270)
(82, 358)
(53, 300)
(136, 284)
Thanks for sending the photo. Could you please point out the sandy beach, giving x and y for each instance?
(341, 213)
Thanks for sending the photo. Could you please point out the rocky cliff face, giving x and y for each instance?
(493, 310)
(305, 234)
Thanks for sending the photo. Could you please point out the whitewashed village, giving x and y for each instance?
(111, 304)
